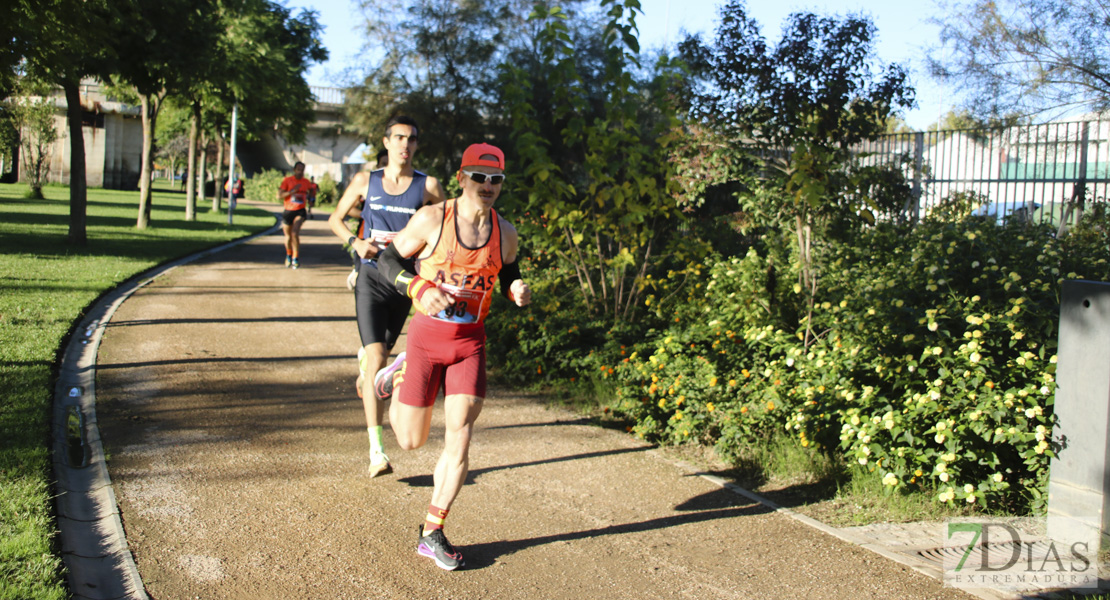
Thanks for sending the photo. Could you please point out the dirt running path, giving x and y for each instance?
(237, 449)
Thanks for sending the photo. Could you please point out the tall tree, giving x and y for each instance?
(172, 136)
(34, 117)
(802, 104)
(61, 42)
(1025, 57)
(602, 187)
(437, 66)
(257, 61)
(155, 41)
(265, 50)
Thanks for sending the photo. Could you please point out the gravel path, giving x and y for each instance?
(237, 450)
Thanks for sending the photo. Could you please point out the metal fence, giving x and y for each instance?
(327, 95)
(1045, 173)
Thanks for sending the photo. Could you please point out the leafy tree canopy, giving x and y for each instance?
(821, 81)
(439, 63)
(1025, 57)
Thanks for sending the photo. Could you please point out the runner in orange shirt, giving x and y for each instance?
(463, 247)
(293, 193)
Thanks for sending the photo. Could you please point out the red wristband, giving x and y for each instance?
(418, 286)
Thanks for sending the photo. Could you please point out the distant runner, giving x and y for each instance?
(293, 192)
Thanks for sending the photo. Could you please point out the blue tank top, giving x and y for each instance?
(383, 215)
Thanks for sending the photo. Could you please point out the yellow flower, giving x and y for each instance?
(712, 381)
(709, 406)
(770, 405)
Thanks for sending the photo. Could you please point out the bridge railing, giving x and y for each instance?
(327, 95)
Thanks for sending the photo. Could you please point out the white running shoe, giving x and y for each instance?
(379, 464)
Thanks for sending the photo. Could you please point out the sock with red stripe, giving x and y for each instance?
(434, 520)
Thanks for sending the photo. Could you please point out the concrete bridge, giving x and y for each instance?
(329, 146)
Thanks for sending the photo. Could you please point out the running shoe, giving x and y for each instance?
(296, 263)
(383, 381)
(435, 546)
(288, 261)
(379, 464)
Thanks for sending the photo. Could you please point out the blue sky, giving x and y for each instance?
(903, 35)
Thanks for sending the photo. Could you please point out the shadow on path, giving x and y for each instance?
(479, 556)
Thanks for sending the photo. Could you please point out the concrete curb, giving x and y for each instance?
(94, 548)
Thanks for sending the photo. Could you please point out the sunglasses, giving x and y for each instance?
(477, 177)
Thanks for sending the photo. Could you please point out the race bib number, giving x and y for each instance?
(467, 306)
(381, 237)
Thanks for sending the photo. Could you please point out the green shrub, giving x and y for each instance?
(933, 366)
(263, 186)
(329, 190)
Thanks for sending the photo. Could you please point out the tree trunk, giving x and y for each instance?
(78, 191)
(191, 188)
(144, 174)
(202, 168)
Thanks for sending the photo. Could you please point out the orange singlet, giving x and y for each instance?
(299, 187)
(450, 346)
(468, 274)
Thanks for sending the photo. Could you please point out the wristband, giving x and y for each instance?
(351, 240)
(418, 287)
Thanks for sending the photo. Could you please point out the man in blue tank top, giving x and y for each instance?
(391, 196)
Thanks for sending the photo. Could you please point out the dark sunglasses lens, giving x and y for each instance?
(481, 178)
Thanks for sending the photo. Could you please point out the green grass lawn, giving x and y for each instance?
(45, 287)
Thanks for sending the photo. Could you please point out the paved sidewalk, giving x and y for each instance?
(237, 451)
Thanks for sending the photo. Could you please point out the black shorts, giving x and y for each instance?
(380, 309)
(289, 216)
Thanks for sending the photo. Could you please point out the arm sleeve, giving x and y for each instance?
(391, 264)
(509, 273)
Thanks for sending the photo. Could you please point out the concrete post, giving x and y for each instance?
(1079, 480)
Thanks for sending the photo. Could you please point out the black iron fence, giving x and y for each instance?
(1043, 173)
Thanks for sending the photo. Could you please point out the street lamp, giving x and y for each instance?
(231, 167)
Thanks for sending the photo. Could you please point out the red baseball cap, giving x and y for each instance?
(483, 155)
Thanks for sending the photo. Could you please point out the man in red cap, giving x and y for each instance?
(464, 248)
